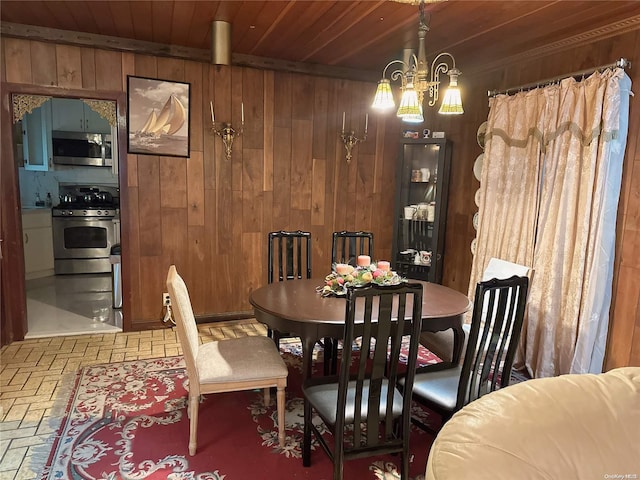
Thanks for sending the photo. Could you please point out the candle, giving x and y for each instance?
(343, 117)
(364, 260)
(384, 266)
(242, 107)
(342, 269)
(213, 119)
(366, 122)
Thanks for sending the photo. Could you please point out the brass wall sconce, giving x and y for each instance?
(226, 131)
(351, 140)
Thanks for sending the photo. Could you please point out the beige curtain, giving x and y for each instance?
(509, 182)
(549, 191)
(569, 301)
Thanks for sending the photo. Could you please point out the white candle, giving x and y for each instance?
(366, 122)
(343, 117)
(364, 260)
(242, 107)
(213, 119)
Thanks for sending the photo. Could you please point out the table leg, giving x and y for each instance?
(458, 342)
(307, 356)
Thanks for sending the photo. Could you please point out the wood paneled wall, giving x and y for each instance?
(624, 332)
(210, 216)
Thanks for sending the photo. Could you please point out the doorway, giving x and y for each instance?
(16, 290)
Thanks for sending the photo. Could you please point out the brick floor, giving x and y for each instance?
(36, 377)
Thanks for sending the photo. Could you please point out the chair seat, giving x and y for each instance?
(324, 399)
(239, 360)
(439, 387)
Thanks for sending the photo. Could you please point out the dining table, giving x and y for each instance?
(295, 306)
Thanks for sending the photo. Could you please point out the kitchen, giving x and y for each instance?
(69, 193)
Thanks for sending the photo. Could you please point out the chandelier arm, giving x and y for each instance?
(436, 70)
(384, 72)
(442, 66)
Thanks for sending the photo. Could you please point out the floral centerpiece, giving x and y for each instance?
(343, 276)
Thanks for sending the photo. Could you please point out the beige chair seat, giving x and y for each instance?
(239, 360)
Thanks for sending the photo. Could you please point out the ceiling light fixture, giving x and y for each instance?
(415, 81)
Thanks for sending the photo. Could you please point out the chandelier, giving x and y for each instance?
(416, 80)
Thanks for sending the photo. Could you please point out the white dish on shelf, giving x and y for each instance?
(482, 131)
(476, 198)
(477, 167)
(476, 219)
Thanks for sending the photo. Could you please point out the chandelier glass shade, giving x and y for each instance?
(417, 82)
(410, 109)
(452, 101)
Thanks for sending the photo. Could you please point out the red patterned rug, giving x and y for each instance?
(128, 421)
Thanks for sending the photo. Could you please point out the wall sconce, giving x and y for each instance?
(351, 140)
(226, 132)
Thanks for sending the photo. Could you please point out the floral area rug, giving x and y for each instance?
(128, 420)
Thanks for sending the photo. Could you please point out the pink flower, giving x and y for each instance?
(340, 280)
(378, 273)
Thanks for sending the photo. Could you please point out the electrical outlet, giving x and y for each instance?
(166, 300)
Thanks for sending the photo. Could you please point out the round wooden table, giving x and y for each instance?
(295, 306)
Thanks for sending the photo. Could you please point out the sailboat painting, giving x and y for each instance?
(158, 117)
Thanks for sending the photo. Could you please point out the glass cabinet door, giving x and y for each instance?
(420, 217)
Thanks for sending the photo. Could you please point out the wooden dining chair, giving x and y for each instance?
(243, 363)
(346, 246)
(496, 324)
(288, 258)
(442, 343)
(363, 408)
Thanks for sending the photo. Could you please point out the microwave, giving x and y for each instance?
(78, 148)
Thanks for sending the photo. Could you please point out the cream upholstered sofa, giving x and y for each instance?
(572, 426)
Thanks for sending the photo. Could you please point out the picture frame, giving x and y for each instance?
(158, 117)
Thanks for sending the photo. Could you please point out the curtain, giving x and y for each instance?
(509, 178)
(569, 182)
(568, 312)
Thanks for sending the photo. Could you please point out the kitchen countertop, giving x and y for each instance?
(31, 208)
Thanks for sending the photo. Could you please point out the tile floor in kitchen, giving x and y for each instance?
(71, 305)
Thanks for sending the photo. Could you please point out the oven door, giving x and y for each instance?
(82, 245)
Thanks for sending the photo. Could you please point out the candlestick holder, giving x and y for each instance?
(350, 141)
(228, 134)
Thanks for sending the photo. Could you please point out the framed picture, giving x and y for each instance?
(157, 117)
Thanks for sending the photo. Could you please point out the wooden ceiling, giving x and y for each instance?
(361, 35)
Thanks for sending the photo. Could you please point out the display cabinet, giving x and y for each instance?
(421, 208)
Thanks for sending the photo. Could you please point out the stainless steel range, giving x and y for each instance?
(86, 224)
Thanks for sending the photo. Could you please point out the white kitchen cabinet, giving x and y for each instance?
(37, 237)
(36, 138)
(73, 115)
